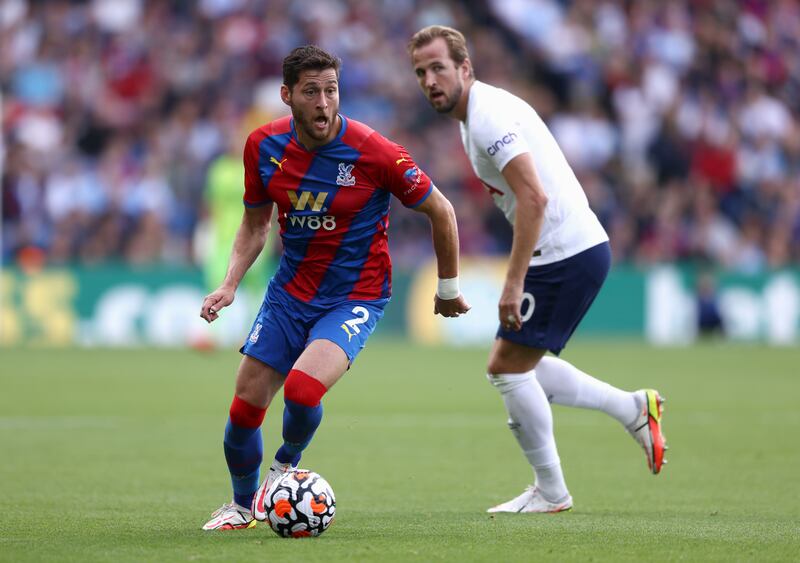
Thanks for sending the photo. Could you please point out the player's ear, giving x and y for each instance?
(466, 69)
(286, 94)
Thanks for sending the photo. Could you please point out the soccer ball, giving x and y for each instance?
(299, 504)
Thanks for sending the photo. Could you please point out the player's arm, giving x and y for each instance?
(448, 302)
(520, 173)
(248, 244)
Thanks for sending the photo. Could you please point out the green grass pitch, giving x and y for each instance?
(117, 456)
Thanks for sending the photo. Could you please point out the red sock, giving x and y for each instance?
(303, 389)
(246, 415)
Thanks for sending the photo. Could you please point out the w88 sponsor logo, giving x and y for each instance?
(313, 222)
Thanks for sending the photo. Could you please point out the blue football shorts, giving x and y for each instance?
(557, 296)
(285, 326)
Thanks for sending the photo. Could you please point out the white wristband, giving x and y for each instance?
(448, 288)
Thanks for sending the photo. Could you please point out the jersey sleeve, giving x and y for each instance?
(500, 137)
(255, 193)
(402, 176)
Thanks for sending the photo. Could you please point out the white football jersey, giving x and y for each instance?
(500, 126)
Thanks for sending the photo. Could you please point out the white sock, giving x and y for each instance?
(531, 422)
(564, 384)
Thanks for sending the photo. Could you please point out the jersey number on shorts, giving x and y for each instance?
(531, 304)
(351, 326)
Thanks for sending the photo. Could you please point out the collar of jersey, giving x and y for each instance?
(470, 97)
(330, 143)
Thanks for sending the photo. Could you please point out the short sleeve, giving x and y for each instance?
(500, 137)
(403, 177)
(255, 193)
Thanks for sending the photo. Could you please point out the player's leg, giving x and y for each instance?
(564, 384)
(315, 372)
(531, 421)
(334, 342)
(274, 343)
(256, 385)
(638, 411)
(579, 281)
(555, 298)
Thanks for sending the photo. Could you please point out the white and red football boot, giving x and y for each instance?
(230, 516)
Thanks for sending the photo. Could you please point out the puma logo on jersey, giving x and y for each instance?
(399, 160)
(350, 334)
(275, 161)
(507, 139)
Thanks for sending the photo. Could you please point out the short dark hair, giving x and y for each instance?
(308, 57)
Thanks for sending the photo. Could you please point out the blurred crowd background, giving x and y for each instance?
(123, 120)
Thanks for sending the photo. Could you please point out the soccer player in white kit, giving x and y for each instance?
(559, 259)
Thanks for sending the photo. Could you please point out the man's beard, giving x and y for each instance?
(453, 101)
(307, 125)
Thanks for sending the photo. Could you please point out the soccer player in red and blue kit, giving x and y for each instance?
(331, 179)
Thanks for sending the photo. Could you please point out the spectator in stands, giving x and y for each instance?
(114, 110)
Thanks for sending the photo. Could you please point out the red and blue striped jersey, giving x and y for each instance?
(333, 207)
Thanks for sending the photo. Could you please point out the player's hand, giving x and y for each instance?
(215, 301)
(509, 309)
(450, 307)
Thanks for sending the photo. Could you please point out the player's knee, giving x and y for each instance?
(303, 389)
(494, 368)
(511, 358)
(500, 364)
(502, 360)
